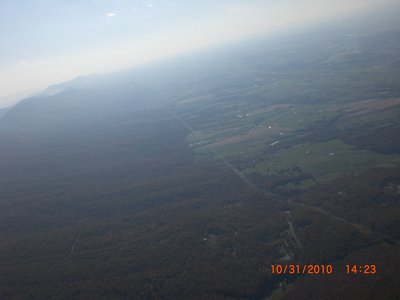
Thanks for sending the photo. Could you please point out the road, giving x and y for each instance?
(252, 186)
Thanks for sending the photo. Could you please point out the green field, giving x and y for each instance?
(323, 161)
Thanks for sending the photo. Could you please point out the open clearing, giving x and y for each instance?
(333, 158)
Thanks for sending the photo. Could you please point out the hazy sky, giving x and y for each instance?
(48, 41)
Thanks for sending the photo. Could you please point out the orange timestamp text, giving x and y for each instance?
(364, 269)
(296, 269)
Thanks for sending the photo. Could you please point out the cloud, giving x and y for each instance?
(150, 5)
(111, 14)
(233, 8)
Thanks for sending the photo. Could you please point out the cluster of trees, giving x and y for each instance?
(130, 214)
